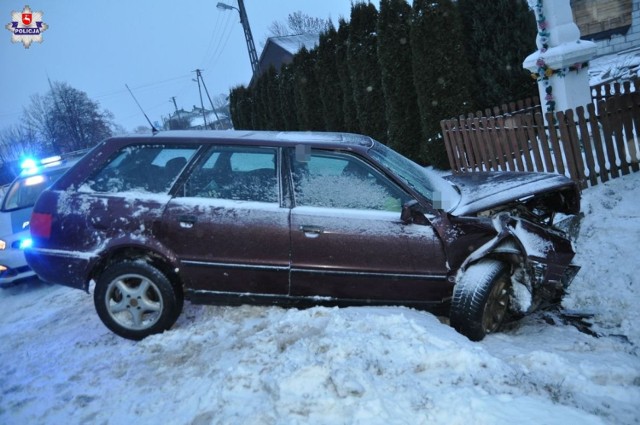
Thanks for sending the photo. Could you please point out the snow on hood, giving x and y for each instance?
(485, 190)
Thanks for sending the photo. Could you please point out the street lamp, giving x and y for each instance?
(253, 56)
(224, 6)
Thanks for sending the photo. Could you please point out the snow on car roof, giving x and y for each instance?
(279, 137)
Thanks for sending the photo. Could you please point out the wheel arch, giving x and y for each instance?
(166, 265)
(507, 249)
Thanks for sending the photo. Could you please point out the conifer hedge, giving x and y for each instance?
(396, 73)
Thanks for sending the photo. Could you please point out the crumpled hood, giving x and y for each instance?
(481, 191)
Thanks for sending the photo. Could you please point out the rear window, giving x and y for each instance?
(141, 168)
(24, 191)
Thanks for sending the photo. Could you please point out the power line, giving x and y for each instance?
(215, 55)
(218, 35)
(141, 86)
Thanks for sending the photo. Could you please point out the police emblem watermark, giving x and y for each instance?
(26, 27)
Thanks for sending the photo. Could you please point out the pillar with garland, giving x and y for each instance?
(560, 63)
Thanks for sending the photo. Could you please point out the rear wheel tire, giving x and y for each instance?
(481, 297)
(134, 300)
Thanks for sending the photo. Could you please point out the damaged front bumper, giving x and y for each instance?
(541, 256)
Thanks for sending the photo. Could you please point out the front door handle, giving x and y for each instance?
(312, 231)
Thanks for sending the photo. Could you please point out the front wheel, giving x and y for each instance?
(481, 299)
(134, 300)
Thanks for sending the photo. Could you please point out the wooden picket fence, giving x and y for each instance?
(589, 144)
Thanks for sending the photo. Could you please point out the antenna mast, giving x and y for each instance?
(153, 129)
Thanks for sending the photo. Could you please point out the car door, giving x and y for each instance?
(347, 239)
(226, 224)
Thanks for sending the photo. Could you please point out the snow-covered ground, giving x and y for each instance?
(268, 365)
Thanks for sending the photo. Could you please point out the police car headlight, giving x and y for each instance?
(3, 245)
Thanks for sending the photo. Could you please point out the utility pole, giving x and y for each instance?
(173, 98)
(213, 108)
(253, 56)
(204, 115)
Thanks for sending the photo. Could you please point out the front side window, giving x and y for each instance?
(429, 184)
(239, 173)
(143, 168)
(340, 180)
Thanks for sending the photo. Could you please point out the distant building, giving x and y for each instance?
(614, 25)
(279, 51)
(195, 119)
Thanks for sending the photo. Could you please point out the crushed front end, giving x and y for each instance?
(534, 233)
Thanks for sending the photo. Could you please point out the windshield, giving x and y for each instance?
(24, 191)
(428, 183)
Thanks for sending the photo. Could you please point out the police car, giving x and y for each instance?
(15, 212)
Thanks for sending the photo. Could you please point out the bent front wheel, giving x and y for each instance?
(481, 299)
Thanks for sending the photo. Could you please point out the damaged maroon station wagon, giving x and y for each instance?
(298, 219)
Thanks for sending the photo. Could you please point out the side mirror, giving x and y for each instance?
(413, 212)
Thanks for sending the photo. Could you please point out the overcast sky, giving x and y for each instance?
(98, 46)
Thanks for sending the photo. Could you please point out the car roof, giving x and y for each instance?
(272, 138)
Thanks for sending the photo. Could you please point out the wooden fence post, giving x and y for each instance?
(598, 142)
(555, 144)
(447, 135)
(588, 146)
(626, 119)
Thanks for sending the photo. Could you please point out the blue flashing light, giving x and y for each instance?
(28, 164)
(26, 243)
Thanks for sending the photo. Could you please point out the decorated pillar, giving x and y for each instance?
(560, 63)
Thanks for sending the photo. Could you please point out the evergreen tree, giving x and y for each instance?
(441, 73)
(308, 103)
(394, 54)
(287, 97)
(240, 108)
(351, 123)
(364, 71)
(496, 59)
(267, 111)
(329, 81)
(258, 94)
(273, 94)
(255, 107)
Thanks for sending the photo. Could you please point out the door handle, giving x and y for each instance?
(312, 231)
(187, 221)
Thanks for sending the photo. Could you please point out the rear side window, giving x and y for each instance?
(239, 173)
(141, 168)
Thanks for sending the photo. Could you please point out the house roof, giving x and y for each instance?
(294, 43)
(279, 51)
